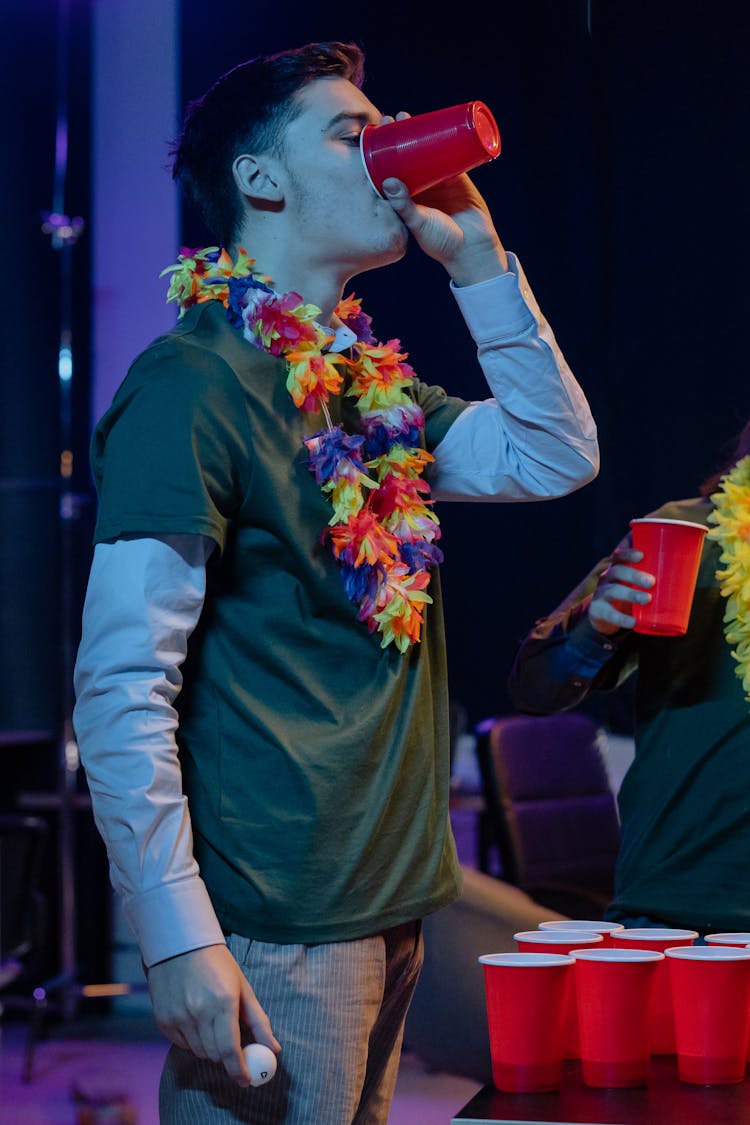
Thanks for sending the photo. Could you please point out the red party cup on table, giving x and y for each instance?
(561, 941)
(430, 147)
(527, 999)
(661, 1021)
(739, 938)
(606, 929)
(555, 941)
(613, 987)
(711, 998)
(672, 553)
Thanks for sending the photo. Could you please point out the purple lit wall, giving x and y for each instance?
(135, 95)
(135, 78)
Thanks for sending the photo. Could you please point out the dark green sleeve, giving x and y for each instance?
(173, 453)
(440, 412)
(563, 658)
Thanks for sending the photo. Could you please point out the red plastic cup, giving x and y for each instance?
(672, 553)
(606, 929)
(561, 941)
(739, 938)
(711, 997)
(614, 989)
(431, 147)
(661, 1015)
(527, 996)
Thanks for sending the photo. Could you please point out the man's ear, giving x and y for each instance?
(257, 178)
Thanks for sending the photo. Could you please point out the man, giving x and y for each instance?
(258, 632)
(684, 806)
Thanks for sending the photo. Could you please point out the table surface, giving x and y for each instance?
(665, 1100)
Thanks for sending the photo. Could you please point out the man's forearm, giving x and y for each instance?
(142, 602)
(535, 438)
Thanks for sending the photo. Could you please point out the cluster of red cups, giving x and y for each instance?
(612, 997)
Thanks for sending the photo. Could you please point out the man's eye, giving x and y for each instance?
(352, 139)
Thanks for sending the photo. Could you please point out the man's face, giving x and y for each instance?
(328, 197)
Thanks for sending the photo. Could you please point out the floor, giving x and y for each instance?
(123, 1054)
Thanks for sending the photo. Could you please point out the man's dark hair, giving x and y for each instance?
(247, 110)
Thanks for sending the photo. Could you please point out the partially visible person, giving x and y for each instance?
(685, 800)
(262, 696)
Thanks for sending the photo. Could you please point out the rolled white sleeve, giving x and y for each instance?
(143, 600)
(535, 438)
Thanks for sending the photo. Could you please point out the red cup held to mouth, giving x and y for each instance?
(430, 147)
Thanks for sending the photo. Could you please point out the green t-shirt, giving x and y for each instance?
(316, 763)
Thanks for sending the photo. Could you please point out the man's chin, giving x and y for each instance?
(391, 251)
(398, 244)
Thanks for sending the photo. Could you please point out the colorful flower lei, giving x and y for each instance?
(732, 518)
(382, 531)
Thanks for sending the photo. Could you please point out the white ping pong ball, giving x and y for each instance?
(261, 1062)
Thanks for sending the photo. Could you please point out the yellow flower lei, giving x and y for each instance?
(732, 532)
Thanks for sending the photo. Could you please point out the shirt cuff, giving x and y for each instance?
(592, 645)
(172, 919)
(495, 308)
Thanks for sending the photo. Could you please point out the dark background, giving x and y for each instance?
(622, 186)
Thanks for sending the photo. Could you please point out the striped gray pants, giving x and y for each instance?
(338, 1010)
